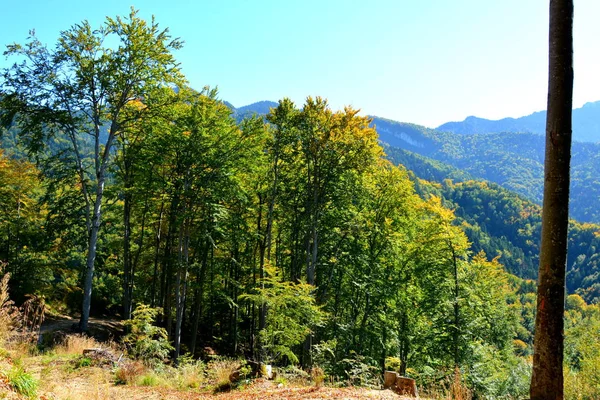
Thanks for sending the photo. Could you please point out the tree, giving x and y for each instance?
(547, 377)
(80, 90)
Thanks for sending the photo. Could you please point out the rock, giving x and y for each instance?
(267, 371)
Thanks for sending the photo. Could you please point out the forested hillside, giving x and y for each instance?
(288, 238)
(512, 160)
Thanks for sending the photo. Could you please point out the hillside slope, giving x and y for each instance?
(512, 160)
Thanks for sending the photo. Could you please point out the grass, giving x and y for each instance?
(149, 379)
(219, 371)
(75, 344)
(22, 382)
(129, 373)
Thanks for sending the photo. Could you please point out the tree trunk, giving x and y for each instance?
(547, 377)
(182, 278)
(157, 241)
(127, 275)
(91, 256)
(456, 335)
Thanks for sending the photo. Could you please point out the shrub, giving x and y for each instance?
(82, 362)
(393, 364)
(295, 375)
(361, 370)
(145, 341)
(293, 314)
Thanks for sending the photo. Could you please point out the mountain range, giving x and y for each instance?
(586, 124)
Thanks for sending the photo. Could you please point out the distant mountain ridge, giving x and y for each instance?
(515, 161)
(258, 108)
(586, 124)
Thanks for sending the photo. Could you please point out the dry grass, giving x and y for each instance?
(318, 376)
(9, 313)
(219, 371)
(75, 344)
(129, 373)
(191, 376)
(458, 390)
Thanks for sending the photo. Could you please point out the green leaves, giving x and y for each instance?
(145, 340)
(292, 314)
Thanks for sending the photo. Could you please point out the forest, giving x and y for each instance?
(290, 239)
(513, 160)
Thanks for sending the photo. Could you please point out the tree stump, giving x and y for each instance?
(406, 386)
(400, 384)
(389, 379)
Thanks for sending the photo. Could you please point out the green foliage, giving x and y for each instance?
(287, 238)
(361, 371)
(293, 314)
(22, 382)
(582, 349)
(393, 364)
(145, 341)
(83, 362)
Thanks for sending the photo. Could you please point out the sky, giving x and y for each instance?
(420, 61)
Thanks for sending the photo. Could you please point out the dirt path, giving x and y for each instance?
(101, 329)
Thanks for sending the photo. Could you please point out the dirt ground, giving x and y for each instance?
(97, 388)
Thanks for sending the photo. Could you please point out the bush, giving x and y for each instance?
(145, 341)
(361, 371)
(83, 362)
(393, 364)
(293, 314)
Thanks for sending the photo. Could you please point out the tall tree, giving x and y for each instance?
(80, 89)
(547, 377)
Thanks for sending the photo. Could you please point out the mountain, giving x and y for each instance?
(258, 108)
(586, 124)
(512, 160)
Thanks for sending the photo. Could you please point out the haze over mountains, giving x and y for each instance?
(586, 124)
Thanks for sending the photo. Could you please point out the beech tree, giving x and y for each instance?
(547, 377)
(79, 90)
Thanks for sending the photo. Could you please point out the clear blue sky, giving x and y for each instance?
(421, 61)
